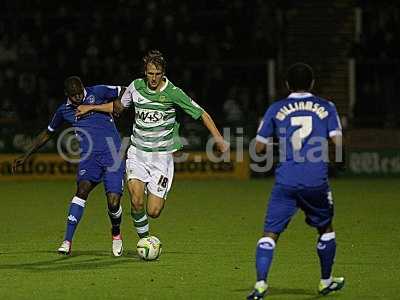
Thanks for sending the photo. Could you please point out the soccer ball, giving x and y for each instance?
(149, 248)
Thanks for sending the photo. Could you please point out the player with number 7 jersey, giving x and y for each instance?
(155, 136)
(303, 123)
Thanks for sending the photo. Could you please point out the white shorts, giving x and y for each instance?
(153, 168)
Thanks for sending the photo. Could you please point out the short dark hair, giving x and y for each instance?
(155, 57)
(299, 77)
(73, 85)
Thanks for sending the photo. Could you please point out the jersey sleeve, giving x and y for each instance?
(187, 104)
(265, 131)
(334, 126)
(127, 97)
(110, 92)
(56, 121)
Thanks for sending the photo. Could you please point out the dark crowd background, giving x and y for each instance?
(217, 51)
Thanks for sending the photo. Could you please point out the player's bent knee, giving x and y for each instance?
(137, 198)
(137, 204)
(154, 212)
(137, 201)
(113, 207)
(82, 194)
(267, 243)
(113, 200)
(84, 188)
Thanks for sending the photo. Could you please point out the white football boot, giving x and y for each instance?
(65, 248)
(117, 248)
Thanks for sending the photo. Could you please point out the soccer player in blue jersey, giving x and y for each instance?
(302, 123)
(99, 144)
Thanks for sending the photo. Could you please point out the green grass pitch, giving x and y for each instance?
(209, 230)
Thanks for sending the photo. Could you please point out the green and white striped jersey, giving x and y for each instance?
(155, 128)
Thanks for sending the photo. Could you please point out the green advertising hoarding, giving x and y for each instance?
(374, 162)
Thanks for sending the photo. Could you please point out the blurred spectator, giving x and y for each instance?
(26, 98)
(378, 66)
(233, 113)
(8, 51)
(206, 43)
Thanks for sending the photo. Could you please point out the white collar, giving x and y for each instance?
(300, 95)
(165, 85)
(84, 96)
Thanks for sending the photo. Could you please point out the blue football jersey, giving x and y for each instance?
(100, 127)
(303, 124)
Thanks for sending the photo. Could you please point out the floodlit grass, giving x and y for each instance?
(209, 230)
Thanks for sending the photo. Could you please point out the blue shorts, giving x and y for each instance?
(284, 202)
(101, 167)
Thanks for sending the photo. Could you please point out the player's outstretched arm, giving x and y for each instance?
(84, 109)
(222, 145)
(38, 142)
(114, 107)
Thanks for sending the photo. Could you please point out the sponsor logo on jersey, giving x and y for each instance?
(149, 116)
(82, 172)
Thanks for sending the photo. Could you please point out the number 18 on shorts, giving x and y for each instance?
(153, 168)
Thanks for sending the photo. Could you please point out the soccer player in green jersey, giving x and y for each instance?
(149, 163)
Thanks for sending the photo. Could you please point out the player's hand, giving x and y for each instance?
(19, 161)
(83, 110)
(222, 146)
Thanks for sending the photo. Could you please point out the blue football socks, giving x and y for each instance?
(264, 255)
(74, 216)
